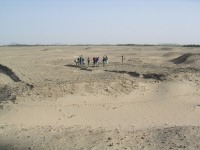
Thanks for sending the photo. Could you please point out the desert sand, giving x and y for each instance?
(149, 102)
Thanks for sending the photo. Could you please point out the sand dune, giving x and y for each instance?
(188, 58)
(171, 54)
(151, 101)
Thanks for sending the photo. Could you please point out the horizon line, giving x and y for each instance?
(127, 44)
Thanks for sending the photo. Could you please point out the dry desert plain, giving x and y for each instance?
(150, 102)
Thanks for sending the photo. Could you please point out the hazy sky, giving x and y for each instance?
(99, 21)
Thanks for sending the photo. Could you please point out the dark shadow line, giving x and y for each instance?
(7, 71)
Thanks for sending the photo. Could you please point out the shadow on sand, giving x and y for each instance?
(155, 76)
(80, 67)
(133, 74)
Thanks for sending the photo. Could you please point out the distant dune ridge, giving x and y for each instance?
(188, 58)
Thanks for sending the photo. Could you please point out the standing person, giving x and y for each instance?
(81, 60)
(123, 58)
(78, 60)
(83, 63)
(97, 61)
(104, 60)
(88, 61)
(94, 59)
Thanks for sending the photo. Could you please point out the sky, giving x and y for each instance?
(99, 22)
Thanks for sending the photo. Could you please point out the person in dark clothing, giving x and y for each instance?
(123, 58)
(88, 61)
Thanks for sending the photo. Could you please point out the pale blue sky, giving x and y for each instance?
(99, 21)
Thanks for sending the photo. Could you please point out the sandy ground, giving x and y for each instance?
(151, 101)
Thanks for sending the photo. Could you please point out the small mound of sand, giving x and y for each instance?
(165, 49)
(4, 78)
(7, 93)
(187, 59)
(171, 54)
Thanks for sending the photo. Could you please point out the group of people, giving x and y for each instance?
(96, 61)
(79, 61)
